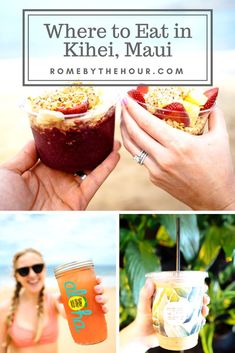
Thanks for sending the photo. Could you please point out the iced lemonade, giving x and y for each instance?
(85, 317)
(73, 127)
(177, 306)
(185, 108)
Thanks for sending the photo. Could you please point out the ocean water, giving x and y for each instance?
(106, 272)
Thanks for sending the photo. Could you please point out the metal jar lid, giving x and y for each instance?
(59, 270)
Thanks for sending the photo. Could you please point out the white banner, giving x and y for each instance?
(117, 47)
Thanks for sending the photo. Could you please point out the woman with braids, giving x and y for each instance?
(29, 320)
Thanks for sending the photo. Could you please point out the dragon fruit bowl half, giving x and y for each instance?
(184, 108)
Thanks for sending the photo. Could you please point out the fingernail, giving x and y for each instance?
(105, 309)
(203, 322)
(148, 284)
(208, 299)
(99, 298)
(98, 289)
(124, 101)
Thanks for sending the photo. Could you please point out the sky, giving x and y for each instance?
(61, 237)
(11, 17)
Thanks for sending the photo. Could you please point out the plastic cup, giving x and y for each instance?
(188, 114)
(74, 142)
(180, 121)
(176, 308)
(85, 317)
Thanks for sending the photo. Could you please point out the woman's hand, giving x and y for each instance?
(197, 170)
(100, 298)
(27, 184)
(141, 332)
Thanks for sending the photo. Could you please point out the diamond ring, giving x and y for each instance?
(139, 158)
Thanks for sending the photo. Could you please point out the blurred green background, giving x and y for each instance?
(148, 243)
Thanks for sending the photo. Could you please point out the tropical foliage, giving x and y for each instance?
(147, 243)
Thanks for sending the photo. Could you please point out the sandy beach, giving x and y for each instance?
(66, 343)
(128, 187)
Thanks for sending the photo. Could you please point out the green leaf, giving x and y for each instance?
(189, 232)
(129, 217)
(221, 301)
(228, 240)
(209, 249)
(229, 294)
(127, 306)
(226, 274)
(231, 318)
(206, 334)
(140, 259)
(215, 238)
(152, 222)
(164, 238)
(142, 227)
(125, 236)
(126, 298)
(230, 321)
(230, 287)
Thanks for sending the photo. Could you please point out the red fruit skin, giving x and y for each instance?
(76, 109)
(137, 96)
(174, 111)
(142, 89)
(211, 95)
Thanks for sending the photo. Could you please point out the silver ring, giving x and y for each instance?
(139, 158)
(82, 175)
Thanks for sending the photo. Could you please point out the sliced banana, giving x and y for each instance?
(48, 116)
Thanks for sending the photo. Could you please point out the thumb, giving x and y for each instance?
(24, 160)
(216, 121)
(145, 298)
(59, 299)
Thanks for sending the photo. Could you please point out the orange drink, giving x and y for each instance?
(85, 316)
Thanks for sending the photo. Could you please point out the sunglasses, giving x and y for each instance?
(24, 271)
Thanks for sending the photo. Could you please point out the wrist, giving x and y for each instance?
(229, 204)
(221, 197)
(133, 346)
(131, 340)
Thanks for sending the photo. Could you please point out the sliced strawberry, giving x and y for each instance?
(137, 96)
(174, 111)
(76, 109)
(142, 89)
(211, 95)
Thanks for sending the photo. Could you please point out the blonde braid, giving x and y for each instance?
(12, 311)
(40, 313)
(16, 297)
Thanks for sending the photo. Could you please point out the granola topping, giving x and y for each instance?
(67, 97)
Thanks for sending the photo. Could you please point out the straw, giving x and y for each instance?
(177, 244)
(178, 249)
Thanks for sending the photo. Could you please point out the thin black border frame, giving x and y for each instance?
(209, 48)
